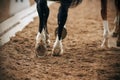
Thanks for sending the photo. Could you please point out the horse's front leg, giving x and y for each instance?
(41, 39)
(105, 23)
(62, 17)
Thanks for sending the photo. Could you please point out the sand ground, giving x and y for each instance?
(83, 58)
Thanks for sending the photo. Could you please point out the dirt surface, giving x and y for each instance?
(83, 58)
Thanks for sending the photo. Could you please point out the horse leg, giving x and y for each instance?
(43, 12)
(62, 17)
(117, 5)
(115, 33)
(118, 25)
(105, 23)
(47, 36)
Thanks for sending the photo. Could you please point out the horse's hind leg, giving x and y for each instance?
(62, 17)
(43, 12)
(115, 33)
(105, 22)
(118, 40)
(117, 5)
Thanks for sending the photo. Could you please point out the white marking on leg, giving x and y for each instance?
(40, 38)
(65, 26)
(116, 21)
(47, 39)
(37, 39)
(57, 47)
(41, 44)
(43, 35)
(105, 34)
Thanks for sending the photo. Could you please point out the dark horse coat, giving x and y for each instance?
(43, 12)
(71, 3)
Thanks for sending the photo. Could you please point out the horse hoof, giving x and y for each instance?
(118, 43)
(40, 50)
(57, 52)
(114, 34)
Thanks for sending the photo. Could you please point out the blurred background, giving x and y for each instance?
(14, 16)
(83, 58)
(9, 8)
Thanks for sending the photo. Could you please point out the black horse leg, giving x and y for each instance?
(43, 12)
(104, 9)
(62, 17)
